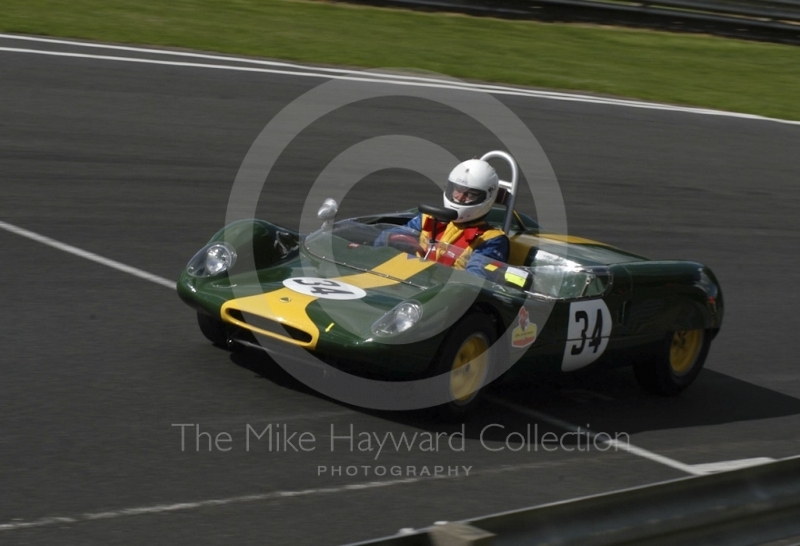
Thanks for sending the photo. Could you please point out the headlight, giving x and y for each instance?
(399, 319)
(212, 260)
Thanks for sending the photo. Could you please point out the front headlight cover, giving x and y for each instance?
(399, 319)
(212, 260)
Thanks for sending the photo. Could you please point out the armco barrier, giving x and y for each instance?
(749, 506)
(767, 20)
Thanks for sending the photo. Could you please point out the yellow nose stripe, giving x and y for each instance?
(285, 306)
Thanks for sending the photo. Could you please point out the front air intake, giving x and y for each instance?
(262, 324)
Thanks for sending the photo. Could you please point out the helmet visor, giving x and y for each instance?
(464, 195)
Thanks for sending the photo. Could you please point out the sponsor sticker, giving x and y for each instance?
(525, 332)
(516, 276)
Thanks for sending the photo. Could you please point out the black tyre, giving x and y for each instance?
(676, 362)
(465, 357)
(214, 329)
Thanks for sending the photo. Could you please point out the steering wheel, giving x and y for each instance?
(405, 243)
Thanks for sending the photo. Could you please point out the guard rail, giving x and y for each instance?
(749, 506)
(763, 20)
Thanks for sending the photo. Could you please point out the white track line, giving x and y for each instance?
(232, 58)
(86, 254)
(361, 73)
(274, 495)
(161, 508)
(365, 77)
(353, 75)
(724, 466)
(369, 77)
(632, 449)
(452, 81)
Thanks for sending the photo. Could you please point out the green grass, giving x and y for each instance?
(705, 71)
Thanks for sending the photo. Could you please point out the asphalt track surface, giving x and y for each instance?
(134, 162)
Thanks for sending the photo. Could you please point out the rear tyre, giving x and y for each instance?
(676, 363)
(214, 329)
(466, 359)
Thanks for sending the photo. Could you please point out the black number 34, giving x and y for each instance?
(597, 331)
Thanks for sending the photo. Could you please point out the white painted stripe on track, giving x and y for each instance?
(724, 466)
(161, 508)
(233, 58)
(368, 77)
(87, 255)
(365, 77)
(618, 446)
(274, 495)
(356, 75)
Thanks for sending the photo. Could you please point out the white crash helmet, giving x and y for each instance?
(471, 189)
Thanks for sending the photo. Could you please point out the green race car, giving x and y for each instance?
(384, 327)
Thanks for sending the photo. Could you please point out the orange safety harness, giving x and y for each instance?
(458, 241)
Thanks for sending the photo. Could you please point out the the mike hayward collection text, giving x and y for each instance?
(494, 437)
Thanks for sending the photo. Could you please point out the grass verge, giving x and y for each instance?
(727, 74)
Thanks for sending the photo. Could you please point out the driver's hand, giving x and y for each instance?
(406, 243)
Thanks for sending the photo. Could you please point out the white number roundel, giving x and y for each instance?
(324, 288)
(587, 334)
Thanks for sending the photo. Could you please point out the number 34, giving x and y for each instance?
(587, 333)
(597, 333)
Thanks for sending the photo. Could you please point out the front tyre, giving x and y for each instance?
(676, 363)
(466, 359)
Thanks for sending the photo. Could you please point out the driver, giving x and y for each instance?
(470, 242)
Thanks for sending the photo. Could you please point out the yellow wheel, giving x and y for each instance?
(469, 368)
(675, 362)
(684, 349)
(464, 362)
